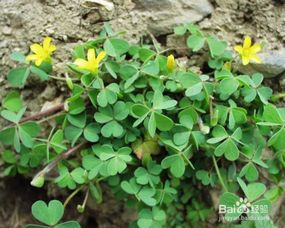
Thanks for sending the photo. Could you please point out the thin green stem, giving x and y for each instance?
(72, 195)
(188, 161)
(63, 79)
(219, 174)
(50, 117)
(277, 96)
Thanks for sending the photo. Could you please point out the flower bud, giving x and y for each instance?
(38, 181)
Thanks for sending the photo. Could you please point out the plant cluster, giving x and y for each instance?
(159, 134)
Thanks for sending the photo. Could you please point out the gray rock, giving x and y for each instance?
(161, 16)
(7, 30)
(273, 64)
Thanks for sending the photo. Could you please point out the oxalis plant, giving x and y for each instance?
(163, 138)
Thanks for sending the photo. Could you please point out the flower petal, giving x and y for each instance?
(256, 58)
(31, 57)
(38, 62)
(245, 60)
(91, 56)
(101, 56)
(247, 42)
(81, 63)
(51, 49)
(46, 43)
(36, 48)
(170, 62)
(255, 48)
(238, 49)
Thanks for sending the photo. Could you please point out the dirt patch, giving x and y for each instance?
(263, 20)
(17, 197)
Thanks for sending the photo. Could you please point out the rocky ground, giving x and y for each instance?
(68, 22)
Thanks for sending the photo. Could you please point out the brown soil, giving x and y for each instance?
(17, 197)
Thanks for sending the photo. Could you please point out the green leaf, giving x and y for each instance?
(76, 107)
(72, 134)
(249, 94)
(250, 172)
(121, 111)
(151, 68)
(147, 196)
(252, 191)
(104, 115)
(264, 94)
(32, 128)
(229, 149)
(163, 123)
(274, 193)
(56, 141)
(35, 226)
(78, 175)
(94, 165)
(112, 128)
(106, 96)
(195, 42)
(228, 86)
(180, 30)
(65, 180)
(195, 85)
(12, 101)
(7, 136)
(116, 47)
(11, 116)
(146, 54)
(257, 79)
(144, 176)
(237, 116)
(229, 200)
(127, 71)
(18, 76)
(25, 137)
(262, 215)
(112, 68)
(216, 46)
(48, 214)
(203, 175)
(175, 163)
(78, 120)
(222, 74)
(9, 157)
(39, 72)
(131, 80)
(151, 125)
(151, 219)
(96, 192)
(116, 165)
(69, 224)
(139, 110)
(116, 160)
(272, 115)
(277, 140)
(18, 56)
(130, 187)
(78, 52)
(91, 132)
(255, 190)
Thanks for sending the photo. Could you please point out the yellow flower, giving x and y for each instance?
(170, 63)
(41, 53)
(92, 63)
(248, 52)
